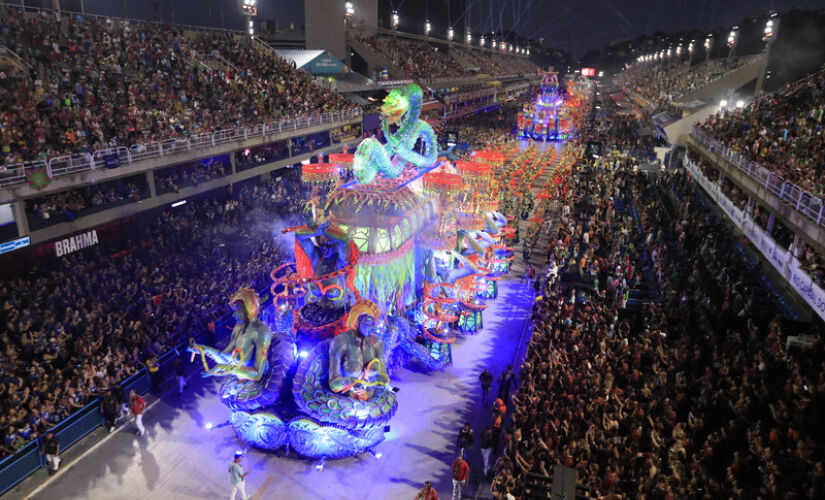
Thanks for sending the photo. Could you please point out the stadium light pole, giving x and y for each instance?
(708, 47)
(733, 40)
(771, 29)
(249, 8)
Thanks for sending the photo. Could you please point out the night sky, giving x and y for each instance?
(590, 24)
(579, 25)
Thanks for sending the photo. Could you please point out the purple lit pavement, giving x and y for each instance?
(180, 459)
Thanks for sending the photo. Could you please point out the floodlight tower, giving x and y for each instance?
(733, 41)
(708, 46)
(249, 8)
(771, 29)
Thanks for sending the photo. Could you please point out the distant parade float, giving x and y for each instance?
(545, 118)
(390, 268)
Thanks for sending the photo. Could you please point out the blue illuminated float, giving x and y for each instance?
(378, 279)
(544, 118)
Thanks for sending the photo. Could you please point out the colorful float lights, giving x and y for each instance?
(545, 118)
(385, 273)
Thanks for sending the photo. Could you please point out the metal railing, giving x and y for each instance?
(63, 165)
(809, 205)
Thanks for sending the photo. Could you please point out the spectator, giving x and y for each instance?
(486, 379)
(51, 450)
(108, 407)
(461, 470)
(427, 492)
(465, 439)
(137, 404)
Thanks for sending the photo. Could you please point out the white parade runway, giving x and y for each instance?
(180, 459)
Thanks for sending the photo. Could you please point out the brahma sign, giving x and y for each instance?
(75, 243)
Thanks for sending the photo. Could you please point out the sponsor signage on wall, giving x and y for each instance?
(10, 246)
(75, 242)
(785, 263)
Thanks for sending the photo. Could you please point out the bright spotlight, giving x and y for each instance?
(303, 354)
(450, 33)
(740, 103)
(395, 20)
(350, 9)
(723, 103)
(208, 426)
(427, 28)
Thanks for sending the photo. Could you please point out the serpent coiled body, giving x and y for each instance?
(372, 157)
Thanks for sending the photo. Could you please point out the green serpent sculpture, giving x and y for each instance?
(400, 106)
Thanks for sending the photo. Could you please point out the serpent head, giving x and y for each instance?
(395, 106)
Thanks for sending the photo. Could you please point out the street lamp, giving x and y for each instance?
(395, 20)
(733, 39)
(770, 28)
(708, 46)
(249, 8)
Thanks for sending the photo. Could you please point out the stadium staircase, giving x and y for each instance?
(218, 63)
(730, 81)
(563, 485)
(464, 63)
(375, 60)
(11, 61)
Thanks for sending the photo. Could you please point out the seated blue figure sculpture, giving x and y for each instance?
(255, 361)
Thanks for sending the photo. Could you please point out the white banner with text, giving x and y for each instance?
(783, 260)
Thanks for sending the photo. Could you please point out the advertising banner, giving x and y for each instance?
(785, 263)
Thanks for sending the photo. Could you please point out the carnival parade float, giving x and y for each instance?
(545, 118)
(383, 269)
